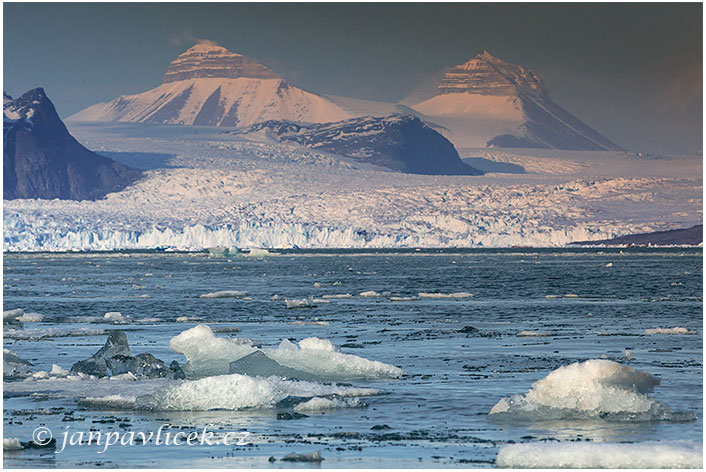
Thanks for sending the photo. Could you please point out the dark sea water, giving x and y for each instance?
(435, 415)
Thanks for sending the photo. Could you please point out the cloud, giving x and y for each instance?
(186, 37)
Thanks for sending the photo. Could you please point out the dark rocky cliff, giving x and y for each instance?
(42, 160)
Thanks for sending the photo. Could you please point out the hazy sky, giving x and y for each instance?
(631, 71)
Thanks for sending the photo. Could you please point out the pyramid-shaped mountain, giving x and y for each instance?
(489, 102)
(210, 86)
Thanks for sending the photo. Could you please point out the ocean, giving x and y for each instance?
(619, 332)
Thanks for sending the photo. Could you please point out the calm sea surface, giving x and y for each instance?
(435, 415)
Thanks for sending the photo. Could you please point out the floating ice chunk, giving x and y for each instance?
(225, 294)
(317, 344)
(58, 371)
(570, 295)
(311, 457)
(319, 357)
(299, 303)
(369, 294)
(11, 444)
(610, 264)
(675, 330)
(182, 319)
(116, 317)
(257, 252)
(109, 402)
(531, 334)
(323, 404)
(13, 366)
(551, 296)
(596, 455)
(444, 295)
(237, 392)
(309, 323)
(402, 299)
(30, 318)
(257, 364)
(317, 285)
(338, 295)
(11, 317)
(205, 353)
(320, 300)
(591, 389)
(46, 333)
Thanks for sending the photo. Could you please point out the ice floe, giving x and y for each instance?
(299, 303)
(598, 455)
(207, 354)
(30, 318)
(369, 294)
(596, 388)
(237, 392)
(225, 294)
(531, 334)
(675, 330)
(444, 295)
(323, 404)
(320, 357)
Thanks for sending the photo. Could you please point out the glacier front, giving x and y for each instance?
(216, 190)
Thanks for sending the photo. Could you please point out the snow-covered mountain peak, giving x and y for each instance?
(485, 74)
(28, 106)
(206, 60)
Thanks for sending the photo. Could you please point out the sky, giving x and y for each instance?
(631, 71)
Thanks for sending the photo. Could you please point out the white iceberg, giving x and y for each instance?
(319, 357)
(675, 330)
(596, 388)
(597, 455)
(324, 404)
(237, 392)
(444, 295)
(205, 353)
(225, 294)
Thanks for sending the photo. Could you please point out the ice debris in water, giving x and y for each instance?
(338, 295)
(237, 392)
(207, 354)
(295, 303)
(444, 295)
(675, 330)
(320, 357)
(597, 455)
(531, 334)
(323, 404)
(257, 364)
(11, 444)
(256, 252)
(13, 366)
(596, 388)
(369, 294)
(30, 318)
(11, 317)
(109, 402)
(225, 294)
(311, 457)
(116, 317)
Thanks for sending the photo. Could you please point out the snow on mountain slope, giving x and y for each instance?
(398, 142)
(487, 101)
(210, 86)
(222, 192)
